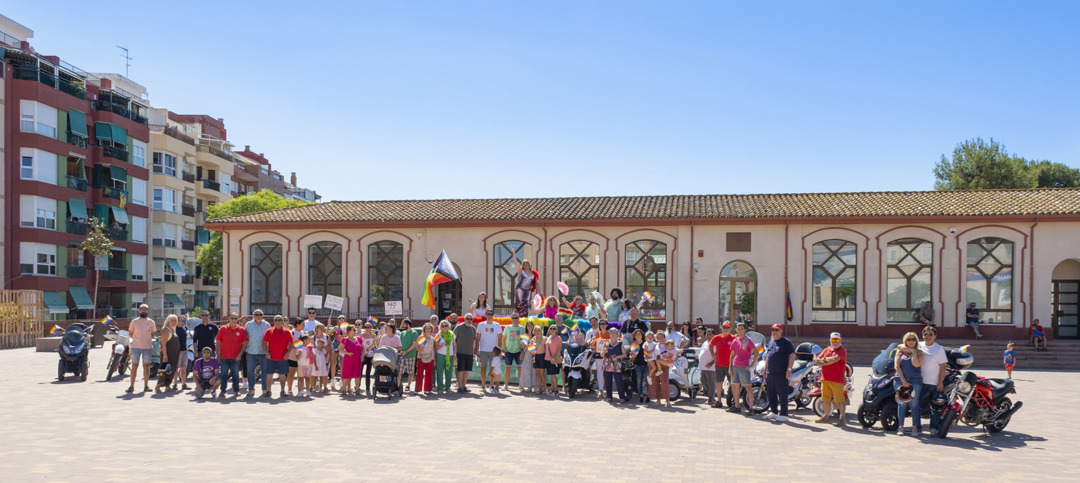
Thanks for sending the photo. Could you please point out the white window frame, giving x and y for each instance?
(27, 172)
(138, 191)
(37, 212)
(161, 204)
(27, 119)
(45, 113)
(167, 273)
(138, 229)
(138, 268)
(39, 168)
(138, 153)
(167, 168)
(40, 256)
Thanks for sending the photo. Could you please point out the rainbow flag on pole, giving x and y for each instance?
(442, 271)
(56, 329)
(787, 305)
(106, 320)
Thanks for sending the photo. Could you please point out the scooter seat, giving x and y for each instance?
(1000, 387)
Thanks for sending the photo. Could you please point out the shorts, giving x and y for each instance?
(832, 391)
(464, 362)
(144, 356)
(539, 362)
(275, 367)
(512, 358)
(181, 360)
(740, 375)
(552, 368)
(485, 359)
(1008, 367)
(408, 365)
(294, 363)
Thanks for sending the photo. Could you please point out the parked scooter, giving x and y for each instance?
(75, 351)
(576, 370)
(121, 352)
(799, 384)
(879, 395)
(685, 375)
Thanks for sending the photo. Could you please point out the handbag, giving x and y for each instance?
(557, 358)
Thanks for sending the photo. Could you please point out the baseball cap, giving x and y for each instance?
(777, 327)
(726, 324)
(834, 335)
(144, 306)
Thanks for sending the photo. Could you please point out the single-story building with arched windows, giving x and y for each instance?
(861, 263)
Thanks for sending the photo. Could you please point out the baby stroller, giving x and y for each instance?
(386, 362)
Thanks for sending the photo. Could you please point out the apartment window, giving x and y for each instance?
(37, 212)
(37, 165)
(138, 268)
(138, 191)
(138, 229)
(37, 117)
(164, 163)
(169, 274)
(37, 259)
(138, 154)
(165, 235)
(27, 168)
(164, 199)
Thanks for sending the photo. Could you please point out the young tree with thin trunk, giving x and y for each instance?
(98, 244)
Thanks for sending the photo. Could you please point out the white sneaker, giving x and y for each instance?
(900, 432)
(770, 416)
(781, 419)
(915, 432)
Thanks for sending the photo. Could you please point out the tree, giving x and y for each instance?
(209, 254)
(98, 245)
(1055, 175)
(977, 164)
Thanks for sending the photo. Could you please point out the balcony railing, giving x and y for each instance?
(110, 192)
(188, 176)
(120, 110)
(76, 271)
(164, 242)
(115, 152)
(76, 183)
(187, 210)
(63, 83)
(187, 244)
(115, 274)
(76, 139)
(220, 153)
(118, 234)
(173, 133)
(210, 281)
(187, 279)
(76, 227)
(211, 185)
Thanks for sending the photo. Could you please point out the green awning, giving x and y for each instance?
(56, 302)
(77, 122)
(118, 173)
(174, 299)
(81, 297)
(101, 212)
(103, 131)
(119, 135)
(77, 208)
(176, 267)
(120, 214)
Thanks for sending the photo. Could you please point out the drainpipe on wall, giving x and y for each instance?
(692, 272)
(1031, 275)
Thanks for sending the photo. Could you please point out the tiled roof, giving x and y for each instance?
(989, 203)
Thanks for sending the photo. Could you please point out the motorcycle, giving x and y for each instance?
(576, 370)
(800, 383)
(121, 352)
(75, 351)
(879, 395)
(815, 392)
(977, 400)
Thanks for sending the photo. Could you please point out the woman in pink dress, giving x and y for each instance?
(352, 352)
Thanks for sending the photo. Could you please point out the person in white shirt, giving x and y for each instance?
(932, 369)
(488, 337)
(674, 335)
(309, 324)
(708, 367)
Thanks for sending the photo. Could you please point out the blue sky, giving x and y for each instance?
(394, 100)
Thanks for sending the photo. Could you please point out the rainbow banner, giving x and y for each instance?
(298, 344)
(56, 329)
(373, 320)
(106, 320)
(343, 325)
(565, 312)
(442, 271)
(438, 337)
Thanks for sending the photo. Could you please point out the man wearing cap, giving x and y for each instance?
(206, 371)
(720, 349)
(142, 345)
(833, 362)
(779, 357)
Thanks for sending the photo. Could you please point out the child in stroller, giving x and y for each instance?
(386, 362)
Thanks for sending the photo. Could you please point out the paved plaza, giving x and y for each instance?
(83, 431)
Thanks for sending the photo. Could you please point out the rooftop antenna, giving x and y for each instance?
(127, 61)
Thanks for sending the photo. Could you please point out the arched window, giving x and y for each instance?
(265, 271)
(503, 260)
(385, 274)
(646, 271)
(738, 293)
(834, 281)
(579, 267)
(909, 284)
(324, 268)
(989, 278)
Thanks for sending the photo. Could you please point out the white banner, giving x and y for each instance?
(392, 307)
(313, 301)
(334, 302)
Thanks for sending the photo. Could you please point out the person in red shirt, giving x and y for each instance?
(231, 342)
(277, 344)
(720, 349)
(833, 362)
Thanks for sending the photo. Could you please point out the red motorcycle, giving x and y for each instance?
(977, 400)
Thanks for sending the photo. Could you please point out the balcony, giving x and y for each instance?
(115, 274)
(110, 192)
(215, 151)
(118, 234)
(187, 244)
(47, 75)
(164, 242)
(76, 183)
(115, 153)
(76, 227)
(76, 271)
(174, 133)
(210, 281)
(187, 279)
(211, 185)
(119, 110)
(187, 210)
(188, 176)
(77, 140)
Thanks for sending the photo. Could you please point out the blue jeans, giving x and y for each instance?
(777, 390)
(253, 361)
(640, 377)
(230, 368)
(935, 416)
(915, 404)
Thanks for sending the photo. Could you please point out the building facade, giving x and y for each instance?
(861, 263)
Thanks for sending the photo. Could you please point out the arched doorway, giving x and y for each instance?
(1065, 300)
(738, 293)
(449, 296)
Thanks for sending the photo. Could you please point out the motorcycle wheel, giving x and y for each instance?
(868, 415)
(947, 421)
(112, 366)
(818, 405)
(84, 370)
(888, 417)
(123, 366)
(996, 426)
(60, 371)
(761, 399)
(674, 392)
(573, 387)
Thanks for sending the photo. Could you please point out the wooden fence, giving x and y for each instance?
(21, 312)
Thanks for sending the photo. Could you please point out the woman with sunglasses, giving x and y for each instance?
(908, 361)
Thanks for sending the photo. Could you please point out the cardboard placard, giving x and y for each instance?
(334, 302)
(392, 307)
(313, 301)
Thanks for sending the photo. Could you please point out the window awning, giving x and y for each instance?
(101, 212)
(103, 131)
(119, 135)
(77, 122)
(77, 208)
(212, 293)
(56, 302)
(120, 214)
(202, 235)
(118, 173)
(177, 268)
(81, 296)
(174, 299)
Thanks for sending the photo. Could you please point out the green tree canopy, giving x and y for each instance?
(209, 254)
(977, 164)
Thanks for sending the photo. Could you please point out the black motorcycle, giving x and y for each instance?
(980, 401)
(879, 395)
(75, 351)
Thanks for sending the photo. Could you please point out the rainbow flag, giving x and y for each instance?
(422, 341)
(373, 320)
(565, 312)
(438, 337)
(442, 271)
(646, 295)
(532, 348)
(760, 350)
(787, 305)
(56, 329)
(524, 339)
(106, 320)
(298, 344)
(634, 348)
(343, 325)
